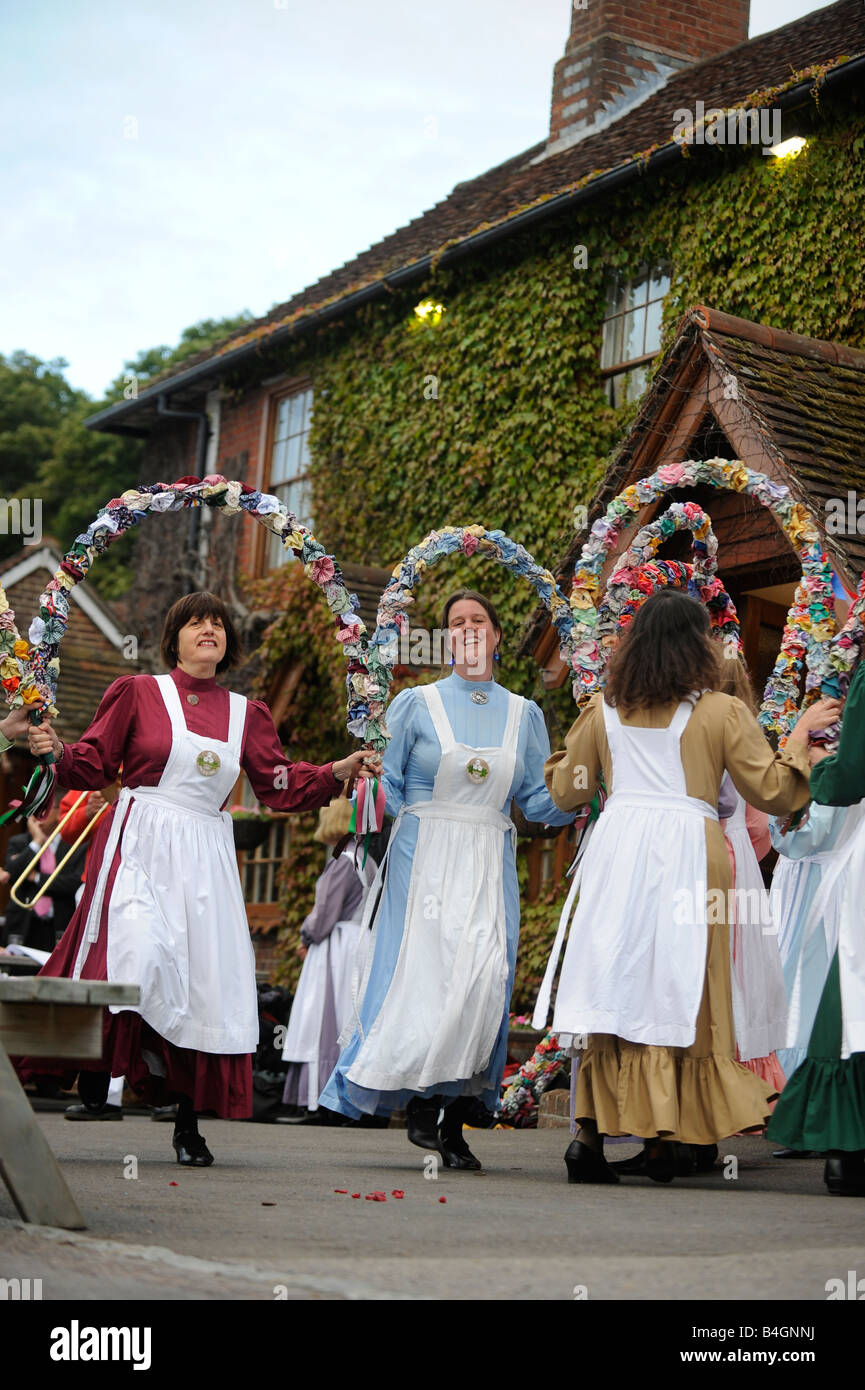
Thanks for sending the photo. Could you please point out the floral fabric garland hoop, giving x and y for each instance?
(392, 619)
(810, 621)
(639, 575)
(29, 670)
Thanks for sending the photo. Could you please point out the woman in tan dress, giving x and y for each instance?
(646, 973)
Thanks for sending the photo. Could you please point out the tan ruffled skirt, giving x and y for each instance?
(696, 1095)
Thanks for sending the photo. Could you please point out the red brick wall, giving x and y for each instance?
(611, 44)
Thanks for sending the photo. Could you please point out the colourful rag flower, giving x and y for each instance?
(322, 569)
(21, 650)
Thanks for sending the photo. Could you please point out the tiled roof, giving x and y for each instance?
(802, 398)
(775, 60)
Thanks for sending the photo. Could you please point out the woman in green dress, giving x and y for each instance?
(823, 1103)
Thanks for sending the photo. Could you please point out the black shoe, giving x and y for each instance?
(192, 1151)
(587, 1165)
(705, 1157)
(456, 1153)
(421, 1121)
(634, 1167)
(845, 1177)
(93, 1112)
(794, 1153)
(673, 1160)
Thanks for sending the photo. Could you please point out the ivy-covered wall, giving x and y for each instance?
(497, 413)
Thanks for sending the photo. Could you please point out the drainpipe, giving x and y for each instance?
(193, 537)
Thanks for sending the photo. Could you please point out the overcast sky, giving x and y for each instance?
(165, 161)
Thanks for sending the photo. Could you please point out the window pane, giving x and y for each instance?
(295, 417)
(307, 409)
(635, 382)
(637, 288)
(282, 419)
(633, 335)
(298, 499)
(292, 457)
(653, 326)
(277, 466)
(611, 347)
(660, 282)
(615, 294)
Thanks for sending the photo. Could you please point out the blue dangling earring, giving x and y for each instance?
(452, 661)
(496, 656)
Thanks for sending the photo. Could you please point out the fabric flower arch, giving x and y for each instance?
(30, 669)
(810, 622)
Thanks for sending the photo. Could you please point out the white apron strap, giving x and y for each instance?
(683, 713)
(516, 710)
(236, 723)
(441, 724)
(171, 700)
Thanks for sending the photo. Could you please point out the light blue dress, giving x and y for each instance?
(794, 887)
(410, 767)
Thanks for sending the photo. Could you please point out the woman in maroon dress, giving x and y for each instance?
(164, 910)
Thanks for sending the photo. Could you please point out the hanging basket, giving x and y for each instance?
(251, 832)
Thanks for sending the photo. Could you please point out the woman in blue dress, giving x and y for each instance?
(431, 1020)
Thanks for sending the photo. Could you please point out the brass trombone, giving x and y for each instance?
(110, 794)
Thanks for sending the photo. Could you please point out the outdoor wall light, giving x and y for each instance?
(786, 147)
(429, 312)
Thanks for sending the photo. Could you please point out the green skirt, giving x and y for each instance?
(823, 1104)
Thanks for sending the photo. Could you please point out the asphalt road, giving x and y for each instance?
(266, 1223)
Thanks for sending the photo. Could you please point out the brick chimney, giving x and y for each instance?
(620, 51)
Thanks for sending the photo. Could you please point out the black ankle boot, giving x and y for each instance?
(587, 1165)
(421, 1121)
(454, 1149)
(844, 1174)
(191, 1150)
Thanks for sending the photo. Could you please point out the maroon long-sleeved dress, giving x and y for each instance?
(132, 729)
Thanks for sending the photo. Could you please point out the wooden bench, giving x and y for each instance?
(45, 1017)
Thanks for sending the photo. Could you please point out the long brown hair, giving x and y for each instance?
(736, 681)
(664, 655)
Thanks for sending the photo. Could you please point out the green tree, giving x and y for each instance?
(46, 451)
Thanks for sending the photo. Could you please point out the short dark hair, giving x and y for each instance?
(200, 605)
(664, 654)
(474, 597)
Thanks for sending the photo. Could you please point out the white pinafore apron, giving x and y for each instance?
(756, 974)
(444, 1007)
(327, 960)
(176, 920)
(837, 912)
(635, 962)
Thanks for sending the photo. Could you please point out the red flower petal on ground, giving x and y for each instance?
(343, 1191)
(396, 1193)
(172, 1184)
(442, 1199)
(355, 1194)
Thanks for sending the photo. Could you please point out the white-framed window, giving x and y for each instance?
(289, 464)
(632, 330)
